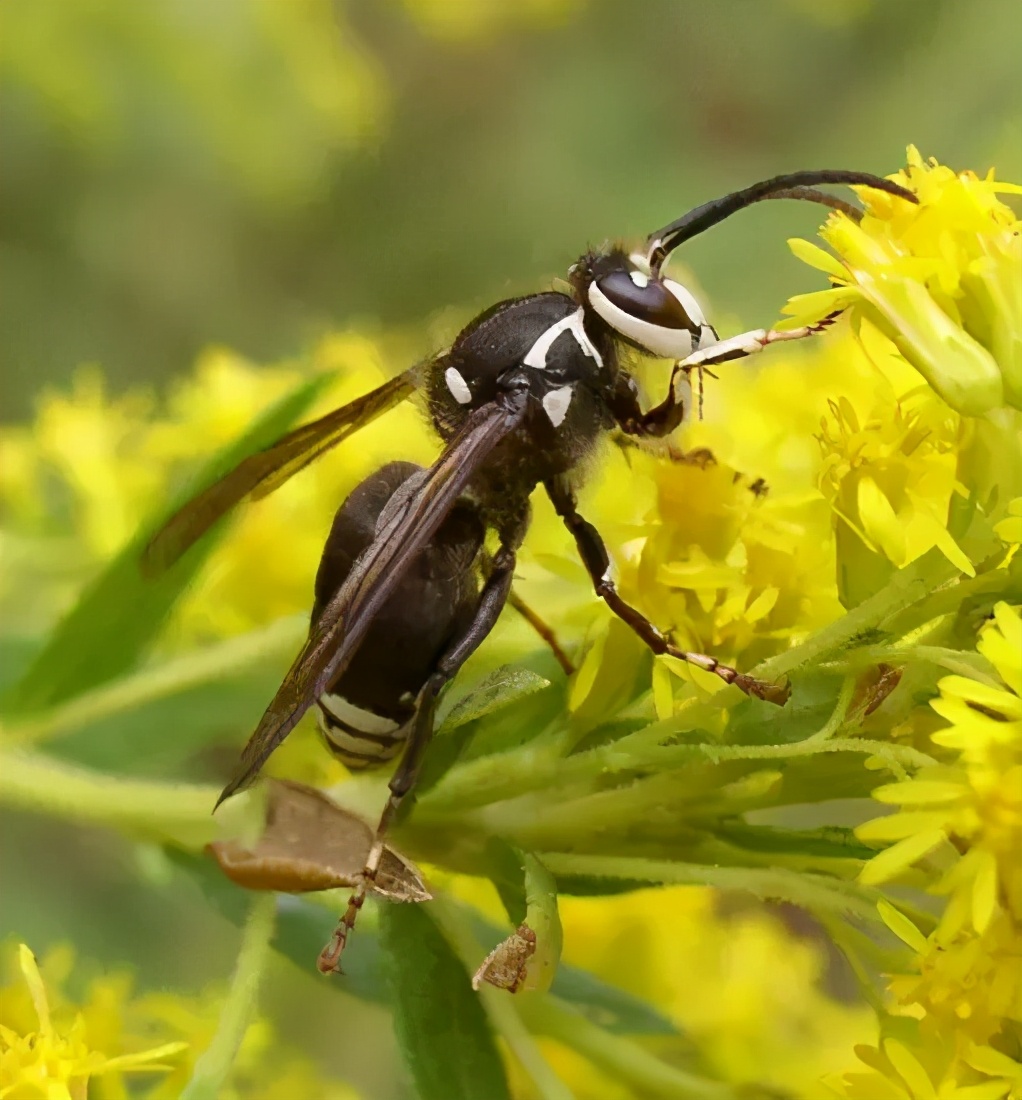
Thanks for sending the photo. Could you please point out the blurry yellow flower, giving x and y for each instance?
(57, 1064)
(941, 279)
(759, 1014)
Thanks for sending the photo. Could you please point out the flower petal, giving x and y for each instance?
(892, 861)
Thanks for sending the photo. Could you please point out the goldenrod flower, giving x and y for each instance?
(941, 279)
(57, 1064)
(966, 989)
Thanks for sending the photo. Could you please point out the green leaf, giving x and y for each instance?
(439, 1019)
(121, 612)
(504, 689)
(503, 686)
(303, 927)
(828, 841)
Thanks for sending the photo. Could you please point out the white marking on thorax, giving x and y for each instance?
(536, 356)
(356, 717)
(458, 386)
(556, 403)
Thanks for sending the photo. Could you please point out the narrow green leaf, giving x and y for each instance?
(503, 686)
(439, 1020)
(503, 690)
(828, 841)
(304, 926)
(121, 612)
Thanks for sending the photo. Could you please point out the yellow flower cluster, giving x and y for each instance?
(940, 279)
(51, 1048)
(40, 1059)
(95, 465)
(963, 823)
(834, 465)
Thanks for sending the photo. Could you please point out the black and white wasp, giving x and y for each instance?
(519, 400)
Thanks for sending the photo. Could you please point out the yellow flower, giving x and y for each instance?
(965, 989)
(57, 1063)
(940, 279)
(889, 468)
(760, 1014)
(977, 802)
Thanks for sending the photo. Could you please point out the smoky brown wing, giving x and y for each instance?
(266, 470)
(342, 624)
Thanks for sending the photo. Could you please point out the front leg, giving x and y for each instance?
(657, 422)
(594, 556)
(749, 343)
(491, 603)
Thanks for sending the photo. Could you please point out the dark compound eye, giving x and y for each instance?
(647, 299)
(657, 315)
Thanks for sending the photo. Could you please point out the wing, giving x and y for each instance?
(266, 470)
(344, 621)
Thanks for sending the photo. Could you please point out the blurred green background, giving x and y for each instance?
(254, 172)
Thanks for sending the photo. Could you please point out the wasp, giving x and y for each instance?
(519, 400)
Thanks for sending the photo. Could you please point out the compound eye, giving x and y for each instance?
(658, 315)
(646, 299)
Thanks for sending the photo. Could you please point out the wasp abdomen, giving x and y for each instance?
(359, 738)
(367, 712)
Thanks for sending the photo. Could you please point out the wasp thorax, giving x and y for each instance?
(658, 315)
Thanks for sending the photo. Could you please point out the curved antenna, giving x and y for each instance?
(799, 185)
(824, 198)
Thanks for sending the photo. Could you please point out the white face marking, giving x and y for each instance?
(684, 295)
(537, 354)
(363, 720)
(640, 278)
(458, 386)
(640, 262)
(556, 403)
(666, 343)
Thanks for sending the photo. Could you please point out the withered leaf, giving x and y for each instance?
(310, 843)
(507, 964)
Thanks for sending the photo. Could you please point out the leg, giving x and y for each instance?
(491, 602)
(749, 343)
(596, 560)
(658, 421)
(543, 630)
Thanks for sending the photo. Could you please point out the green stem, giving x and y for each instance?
(625, 1059)
(812, 746)
(509, 775)
(964, 663)
(836, 720)
(213, 1067)
(179, 812)
(908, 586)
(502, 1008)
(806, 890)
(203, 666)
